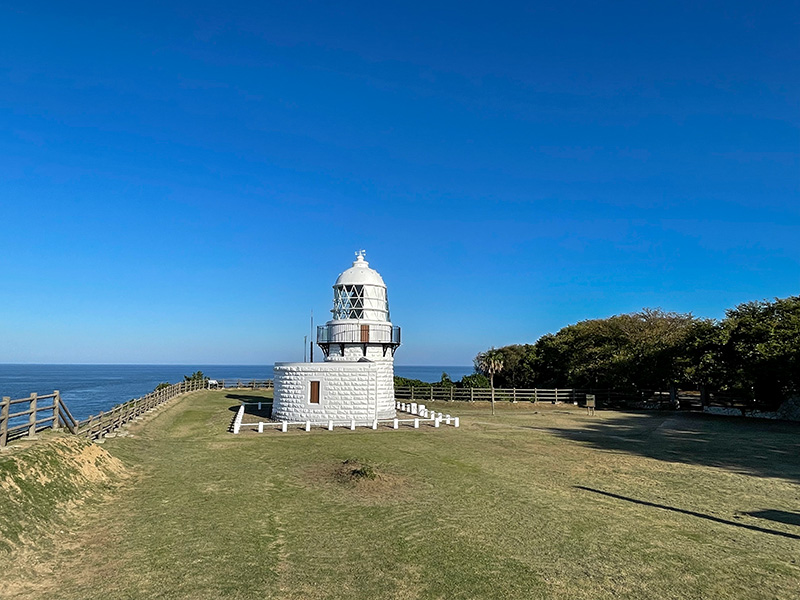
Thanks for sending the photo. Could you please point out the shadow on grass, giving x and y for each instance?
(694, 513)
(747, 446)
(252, 409)
(780, 516)
(248, 398)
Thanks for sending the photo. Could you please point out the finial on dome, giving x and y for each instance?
(360, 255)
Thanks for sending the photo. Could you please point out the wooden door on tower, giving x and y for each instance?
(365, 333)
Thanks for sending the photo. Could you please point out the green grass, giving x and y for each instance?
(537, 502)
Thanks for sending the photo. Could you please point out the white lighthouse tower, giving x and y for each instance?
(356, 381)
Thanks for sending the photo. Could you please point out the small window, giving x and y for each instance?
(314, 399)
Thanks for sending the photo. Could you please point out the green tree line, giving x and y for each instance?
(754, 352)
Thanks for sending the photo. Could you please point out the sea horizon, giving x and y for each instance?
(88, 388)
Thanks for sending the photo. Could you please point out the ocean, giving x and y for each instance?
(88, 389)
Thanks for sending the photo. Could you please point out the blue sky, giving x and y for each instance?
(182, 182)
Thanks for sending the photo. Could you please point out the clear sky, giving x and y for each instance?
(182, 182)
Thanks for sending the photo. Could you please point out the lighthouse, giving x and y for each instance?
(356, 381)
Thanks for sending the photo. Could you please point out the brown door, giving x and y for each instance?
(314, 392)
(365, 333)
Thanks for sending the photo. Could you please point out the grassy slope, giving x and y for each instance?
(513, 506)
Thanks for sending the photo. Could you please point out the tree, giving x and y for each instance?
(196, 376)
(761, 349)
(476, 380)
(490, 363)
(445, 381)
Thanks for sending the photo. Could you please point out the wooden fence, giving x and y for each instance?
(253, 384)
(28, 416)
(56, 415)
(605, 398)
(454, 394)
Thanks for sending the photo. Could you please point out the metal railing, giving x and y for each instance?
(358, 333)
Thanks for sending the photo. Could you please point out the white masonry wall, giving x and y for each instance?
(362, 391)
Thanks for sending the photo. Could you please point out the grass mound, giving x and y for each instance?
(355, 470)
(40, 482)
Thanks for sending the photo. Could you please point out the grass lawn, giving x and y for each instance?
(535, 502)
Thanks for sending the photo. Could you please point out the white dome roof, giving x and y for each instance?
(360, 274)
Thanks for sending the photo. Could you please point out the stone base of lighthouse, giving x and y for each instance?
(344, 390)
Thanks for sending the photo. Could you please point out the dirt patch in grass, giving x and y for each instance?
(361, 481)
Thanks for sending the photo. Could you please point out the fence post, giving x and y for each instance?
(412, 393)
(431, 393)
(472, 394)
(56, 413)
(32, 417)
(514, 394)
(535, 395)
(4, 420)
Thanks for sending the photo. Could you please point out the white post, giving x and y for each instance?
(259, 406)
(395, 424)
(284, 426)
(260, 427)
(447, 419)
(416, 423)
(436, 422)
(308, 425)
(375, 424)
(456, 422)
(441, 416)
(352, 424)
(330, 425)
(237, 421)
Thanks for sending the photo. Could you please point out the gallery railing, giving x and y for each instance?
(358, 333)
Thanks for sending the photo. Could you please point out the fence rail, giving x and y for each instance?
(38, 412)
(674, 398)
(253, 384)
(25, 417)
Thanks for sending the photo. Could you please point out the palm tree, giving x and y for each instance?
(491, 362)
